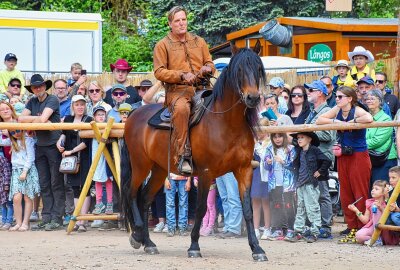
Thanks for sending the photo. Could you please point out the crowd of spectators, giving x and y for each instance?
(292, 198)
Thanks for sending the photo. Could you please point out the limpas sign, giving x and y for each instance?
(320, 53)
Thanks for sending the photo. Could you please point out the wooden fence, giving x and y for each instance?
(118, 129)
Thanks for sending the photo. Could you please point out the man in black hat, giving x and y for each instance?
(45, 108)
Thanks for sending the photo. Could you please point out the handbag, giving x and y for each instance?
(378, 159)
(337, 149)
(70, 164)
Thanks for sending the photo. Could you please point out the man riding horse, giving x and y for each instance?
(180, 59)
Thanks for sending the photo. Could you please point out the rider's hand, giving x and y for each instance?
(205, 70)
(189, 78)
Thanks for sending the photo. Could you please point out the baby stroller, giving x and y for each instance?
(334, 191)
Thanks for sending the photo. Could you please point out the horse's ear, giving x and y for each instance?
(234, 49)
(257, 48)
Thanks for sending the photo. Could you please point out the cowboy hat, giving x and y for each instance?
(360, 50)
(312, 135)
(121, 64)
(144, 83)
(37, 80)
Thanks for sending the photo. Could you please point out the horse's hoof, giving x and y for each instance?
(194, 254)
(134, 243)
(151, 250)
(261, 257)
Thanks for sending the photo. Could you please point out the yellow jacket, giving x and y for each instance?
(353, 75)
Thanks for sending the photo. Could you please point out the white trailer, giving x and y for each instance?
(50, 42)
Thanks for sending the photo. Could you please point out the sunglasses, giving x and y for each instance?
(296, 95)
(313, 90)
(15, 85)
(328, 85)
(124, 113)
(380, 81)
(94, 90)
(12, 133)
(285, 97)
(341, 96)
(121, 94)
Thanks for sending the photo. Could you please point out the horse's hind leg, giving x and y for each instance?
(137, 236)
(156, 181)
(202, 194)
(244, 177)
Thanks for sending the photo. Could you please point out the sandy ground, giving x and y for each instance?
(111, 250)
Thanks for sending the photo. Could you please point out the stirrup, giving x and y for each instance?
(181, 165)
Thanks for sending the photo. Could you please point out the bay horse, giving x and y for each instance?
(222, 142)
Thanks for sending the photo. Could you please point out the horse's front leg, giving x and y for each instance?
(202, 194)
(244, 178)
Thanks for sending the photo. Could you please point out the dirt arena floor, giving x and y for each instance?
(111, 250)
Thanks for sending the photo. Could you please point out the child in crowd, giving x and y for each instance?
(394, 176)
(24, 178)
(100, 176)
(373, 211)
(360, 57)
(310, 166)
(124, 110)
(181, 185)
(5, 179)
(16, 102)
(75, 74)
(209, 218)
(278, 162)
(342, 68)
(259, 186)
(10, 61)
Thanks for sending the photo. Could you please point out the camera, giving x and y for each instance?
(347, 150)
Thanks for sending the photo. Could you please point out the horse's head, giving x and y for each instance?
(248, 74)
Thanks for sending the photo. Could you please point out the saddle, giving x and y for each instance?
(201, 100)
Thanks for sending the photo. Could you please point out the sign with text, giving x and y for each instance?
(338, 5)
(320, 53)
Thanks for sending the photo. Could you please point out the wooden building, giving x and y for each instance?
(314, 37)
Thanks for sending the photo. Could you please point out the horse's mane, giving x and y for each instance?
(244, 65)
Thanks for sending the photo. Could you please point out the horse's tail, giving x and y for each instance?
(126, 177)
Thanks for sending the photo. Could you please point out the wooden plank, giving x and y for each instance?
(389, 227)
(316, 38)
(338, 27)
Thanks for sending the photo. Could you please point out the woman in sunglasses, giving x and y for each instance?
(96, 95)
(24, 184)
(353, 162)
(298, 105)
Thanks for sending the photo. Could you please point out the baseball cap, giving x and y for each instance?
(76, 98)
(14, 79)
(317, 84)
(10, 56)
(366, 79)
(125, 107)
(98, 108)
(276, 82)
(118, 86)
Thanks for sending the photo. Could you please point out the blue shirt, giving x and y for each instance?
(65, 108)
(114, 113)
